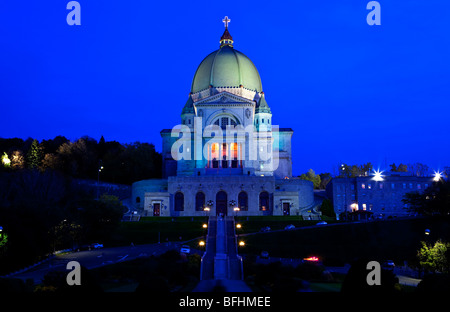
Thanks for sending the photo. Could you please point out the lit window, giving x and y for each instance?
(364, 206)
(392, 185)
(264, 201)
(363, 186)
(369, 186)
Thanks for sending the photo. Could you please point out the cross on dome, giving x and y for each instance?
(226, 39)
(225, 21)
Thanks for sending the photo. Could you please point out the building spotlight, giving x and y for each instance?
(378, 175)
(437, 176)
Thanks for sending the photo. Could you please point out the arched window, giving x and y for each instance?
(199, 201)
(264, 201)
(243, 201)
(224, 121)
(179, 201)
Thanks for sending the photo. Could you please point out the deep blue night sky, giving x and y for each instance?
(352, 92)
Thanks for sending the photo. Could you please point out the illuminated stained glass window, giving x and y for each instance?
(264, 201)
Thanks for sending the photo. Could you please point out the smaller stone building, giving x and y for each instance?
(381, 196)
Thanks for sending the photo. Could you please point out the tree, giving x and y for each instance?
(327, 208)
(435, 200)
(418, 169)
(325, 178)
(6, 162)
(400, 168)
(17, 160)
(433, 258)
(313, 177)
(35, 155)
(352, 171)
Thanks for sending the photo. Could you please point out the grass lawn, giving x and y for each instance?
(325, 287)
(254, 224)
(150, 229)
(397, 240)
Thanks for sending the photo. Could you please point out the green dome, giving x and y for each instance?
(226, 67)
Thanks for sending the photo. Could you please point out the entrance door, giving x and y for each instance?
(221, 203)
(286, 209)
(156, 209)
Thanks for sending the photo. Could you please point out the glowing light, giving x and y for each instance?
(5, 160)
(206, 209)
(315, 259)
(236, 209)
(437, 176)
(201, 243)
(205, 225)
(242, 243)
(378, 176)
(238, 226)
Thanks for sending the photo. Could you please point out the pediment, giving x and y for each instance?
(224, 98)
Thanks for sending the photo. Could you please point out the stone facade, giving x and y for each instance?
(285, 196)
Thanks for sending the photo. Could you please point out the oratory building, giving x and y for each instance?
(226, 157)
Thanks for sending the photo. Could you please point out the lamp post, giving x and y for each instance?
(100, 168)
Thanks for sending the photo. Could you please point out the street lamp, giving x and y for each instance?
(201, 243)
(241, 244)
(238, 226)
(100, 168)
(205, 225)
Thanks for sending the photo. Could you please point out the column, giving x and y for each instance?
(229, 155)
(239, 155)
(208, 160)
(220, 155)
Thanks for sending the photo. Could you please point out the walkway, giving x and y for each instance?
(221, 265)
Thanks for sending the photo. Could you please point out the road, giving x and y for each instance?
(95, 258)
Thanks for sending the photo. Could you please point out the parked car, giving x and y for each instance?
(265, 229)
(289, 227)
(264, 255)
(185, 249)
(388, 265)
(96, 246)
(321, 223)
